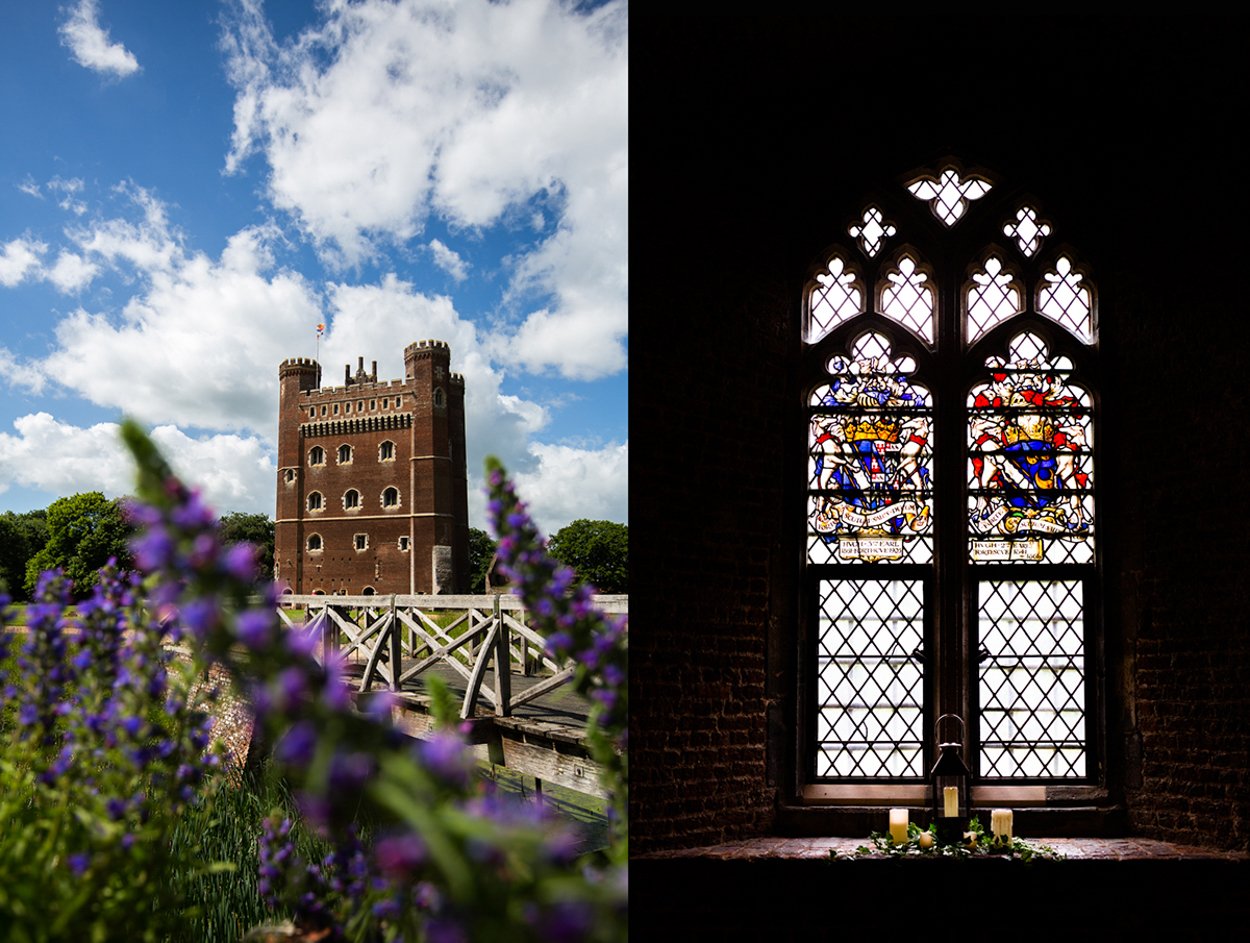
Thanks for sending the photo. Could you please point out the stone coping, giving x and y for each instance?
(1094, 849)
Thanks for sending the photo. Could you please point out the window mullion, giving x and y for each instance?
(950, 667)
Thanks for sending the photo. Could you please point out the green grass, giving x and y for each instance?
(223, 901)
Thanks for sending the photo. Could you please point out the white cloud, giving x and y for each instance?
(30, 188)
(378, 321)
(570, 483)
(234, 473)
(71, 272)
(64, 459)
(19, 258)
(449, 260)
(90, 45)
(69, 190)
(200, 345)
(20, 374)
(389, 111)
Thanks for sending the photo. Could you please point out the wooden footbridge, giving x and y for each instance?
(523, 712)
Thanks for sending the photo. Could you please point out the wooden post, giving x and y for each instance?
(397, 648)
(503, 666)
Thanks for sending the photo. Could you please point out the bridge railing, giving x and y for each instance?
(400, 637)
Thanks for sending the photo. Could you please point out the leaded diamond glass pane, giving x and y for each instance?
(948, 195)
(870, 456)
(908, 298)
(835, 298)
(991, 299)
(1027, 230)
(870, 711)
(1030, 460)
(1066, 301)
(873, 232)
(1032, 679)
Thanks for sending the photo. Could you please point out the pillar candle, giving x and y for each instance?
(898, 826)
(951, 796)
(1000, 822)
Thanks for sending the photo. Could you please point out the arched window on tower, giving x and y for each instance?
(316, 455)
(315, 502)
(949, 512)
(390, 498)
(351, 499)
(386, 451)
(314, 543)
(345, 454)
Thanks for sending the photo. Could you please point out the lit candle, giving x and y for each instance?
(951, 795)
(898, 826)
(1000, 822)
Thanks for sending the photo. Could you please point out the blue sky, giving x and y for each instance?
(187, 189)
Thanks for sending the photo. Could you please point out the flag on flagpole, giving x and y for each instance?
(321, 329)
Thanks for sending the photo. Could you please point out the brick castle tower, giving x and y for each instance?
(372, 490)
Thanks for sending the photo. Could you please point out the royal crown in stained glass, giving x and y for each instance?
(870, 458)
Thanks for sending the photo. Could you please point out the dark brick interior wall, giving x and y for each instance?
(758, 140)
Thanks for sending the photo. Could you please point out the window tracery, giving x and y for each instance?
(950, 569)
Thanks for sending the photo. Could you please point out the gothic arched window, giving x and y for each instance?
(951, 556)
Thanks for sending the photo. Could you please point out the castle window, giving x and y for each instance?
(288, 475)
(316, 455)
(314, 501)
(323, 410)
(390, 498)
(362, 541)
(386, 403)
(336, 409)
(403, 543)
(347, 407)
(949, 416)
(438, 397)
(398, 401)
(368, 591)
(351, 499)
(373, 404)
(345, 454)
(386, 451)
(314, 543)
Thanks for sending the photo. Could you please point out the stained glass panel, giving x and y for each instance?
(870, 455)
(1030, 460)
(1032, 679)
(870, 679)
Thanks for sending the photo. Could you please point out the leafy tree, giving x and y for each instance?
(84, 531)
(597, 550)
(256, 529)
(21, 537)
(481, 552)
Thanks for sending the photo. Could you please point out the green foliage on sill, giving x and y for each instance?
(976, 843)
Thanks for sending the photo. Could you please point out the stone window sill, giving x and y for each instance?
(1116, 849)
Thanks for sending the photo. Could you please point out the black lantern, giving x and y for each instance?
(952, 798)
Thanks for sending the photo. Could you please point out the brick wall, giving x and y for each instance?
(764, 149)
